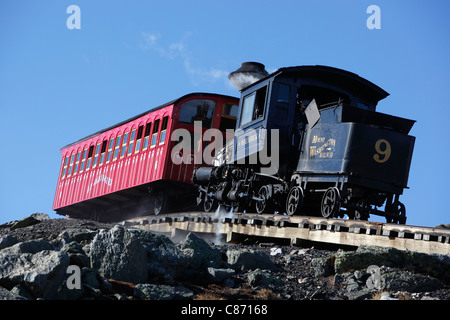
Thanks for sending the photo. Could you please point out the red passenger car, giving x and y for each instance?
(127, 170)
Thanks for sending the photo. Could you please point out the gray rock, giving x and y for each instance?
(435, 265)
(119, 254)
(363, 294)
(21, 291)
(162, 292)
(7, 241)
(165, 260)
(263, 278)
(200, 251)
(32, 246)
(399, 280)
(31, 220)
(8, 295)
(322, 267)
(79, 235)
(387, 296)
(41, 273)
(220, 275)
(249, 260)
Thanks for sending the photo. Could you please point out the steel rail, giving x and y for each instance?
(298, 229)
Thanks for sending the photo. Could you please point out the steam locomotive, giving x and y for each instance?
(309, 141)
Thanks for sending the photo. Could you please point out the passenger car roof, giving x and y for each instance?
(147, 112)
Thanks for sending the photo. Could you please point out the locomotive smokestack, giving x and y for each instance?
(248, 73)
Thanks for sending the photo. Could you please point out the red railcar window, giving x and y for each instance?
(147, 135)
(89, 160)
(138, 139)
(77, 162)
(83, 160)
(124, 145)
(110, 149)
(131, 144)
(102, 152)
(66, 161)
(198, 110)
(97, 151)
(163, 130)
(69, 172)
(155, 133)
(229, 116)
(116, 148)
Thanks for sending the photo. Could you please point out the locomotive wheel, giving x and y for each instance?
(263, 204)
(399, 210)
(160, 202)
(331, 202)
(361, 211)
(208, 203)
(294, 201)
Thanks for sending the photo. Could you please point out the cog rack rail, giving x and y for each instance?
(299, 229)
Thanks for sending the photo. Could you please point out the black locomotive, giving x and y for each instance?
(309, 141)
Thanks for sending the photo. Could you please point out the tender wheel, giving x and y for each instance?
(160, 202)
(331, 203)
(294, 201)
(263, 204)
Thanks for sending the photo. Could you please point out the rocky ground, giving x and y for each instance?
(42, 258)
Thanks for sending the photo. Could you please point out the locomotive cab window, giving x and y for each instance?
(197, 110)
(284, 92)
(253, 106)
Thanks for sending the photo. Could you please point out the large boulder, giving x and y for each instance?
(136, 256)
(434, 265)
(40, 273)
(119, 254)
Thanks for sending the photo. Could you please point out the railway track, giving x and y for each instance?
(299, 229)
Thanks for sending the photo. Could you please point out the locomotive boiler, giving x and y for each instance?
(309, 141)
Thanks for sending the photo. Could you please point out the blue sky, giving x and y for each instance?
(58, 85)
